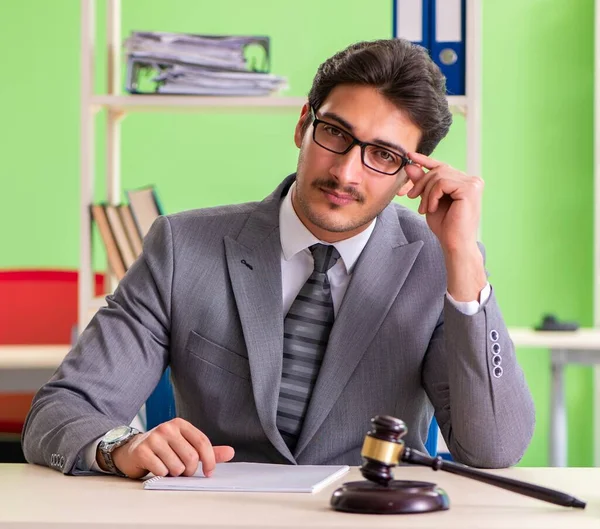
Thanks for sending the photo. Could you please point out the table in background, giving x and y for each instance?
(569, 347)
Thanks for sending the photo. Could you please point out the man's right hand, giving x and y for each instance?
(172, 448)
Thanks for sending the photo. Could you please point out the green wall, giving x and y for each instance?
(537, 145)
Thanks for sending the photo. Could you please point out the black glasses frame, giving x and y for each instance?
(355, 141)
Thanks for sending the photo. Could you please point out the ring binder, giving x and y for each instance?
(448, 42)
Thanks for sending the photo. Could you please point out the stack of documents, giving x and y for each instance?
(202, 65)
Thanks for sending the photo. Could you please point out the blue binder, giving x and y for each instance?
(448, 38)
(410, 20)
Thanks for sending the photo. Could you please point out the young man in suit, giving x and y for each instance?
(289, 323)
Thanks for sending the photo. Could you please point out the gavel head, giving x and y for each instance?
(382, 449)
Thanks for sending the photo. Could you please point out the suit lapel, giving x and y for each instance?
(376, 281)
(254, 264)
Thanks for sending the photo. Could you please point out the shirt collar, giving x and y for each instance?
(295, 236)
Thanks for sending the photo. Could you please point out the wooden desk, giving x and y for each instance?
(37, 497)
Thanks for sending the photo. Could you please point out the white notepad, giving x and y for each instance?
(254, 477)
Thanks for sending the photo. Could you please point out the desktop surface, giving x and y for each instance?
(38, 497)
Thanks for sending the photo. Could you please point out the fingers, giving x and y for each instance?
(419, 179)
(435, 195)
(436, 188)
(424, 161)
(431, 185)
(168, 460)
(438, 182)
(208, 454)
(173, 448)
(223, 453)
(201, 445)
(152, 463)
(187, 457)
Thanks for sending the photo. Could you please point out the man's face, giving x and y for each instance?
(336, 196)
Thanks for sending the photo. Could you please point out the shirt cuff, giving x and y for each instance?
(88, 462)
(469, 308)
(89, 458)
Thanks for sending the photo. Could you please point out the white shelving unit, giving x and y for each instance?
(117, 106)
(596, 403)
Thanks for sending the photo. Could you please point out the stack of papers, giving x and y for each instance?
(199, 64)
(254, 477)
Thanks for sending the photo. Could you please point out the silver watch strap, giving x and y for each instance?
(110, 464)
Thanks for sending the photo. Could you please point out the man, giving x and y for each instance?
(289, 323)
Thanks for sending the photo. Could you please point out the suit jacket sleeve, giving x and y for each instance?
(485, 414)
(114, 366)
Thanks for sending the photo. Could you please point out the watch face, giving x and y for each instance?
(116, 433)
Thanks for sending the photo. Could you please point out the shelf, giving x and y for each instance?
(114, 104)
(164, 103)
(32, 356)
(169, 103)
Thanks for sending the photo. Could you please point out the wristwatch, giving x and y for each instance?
(113, 439)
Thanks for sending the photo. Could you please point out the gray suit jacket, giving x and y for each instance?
(397, 347)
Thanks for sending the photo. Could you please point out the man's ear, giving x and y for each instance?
(299, 131)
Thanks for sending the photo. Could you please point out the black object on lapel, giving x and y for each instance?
(254, 264)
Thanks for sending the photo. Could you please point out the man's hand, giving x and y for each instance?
(451, 203)
(174, 448)
(450, 200)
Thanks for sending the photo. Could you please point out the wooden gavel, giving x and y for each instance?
(384, 448)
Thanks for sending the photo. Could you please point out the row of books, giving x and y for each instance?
(123, 227)
(181, 63)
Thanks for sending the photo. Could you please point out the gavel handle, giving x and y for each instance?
(520, 487)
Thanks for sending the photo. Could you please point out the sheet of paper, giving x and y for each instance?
(254, 477)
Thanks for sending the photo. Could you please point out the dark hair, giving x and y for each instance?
(403, 72)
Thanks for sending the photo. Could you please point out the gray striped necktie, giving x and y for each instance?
(305, 335)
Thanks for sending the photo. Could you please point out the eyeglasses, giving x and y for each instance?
(331, 138)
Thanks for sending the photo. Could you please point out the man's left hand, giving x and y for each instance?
(451, 203)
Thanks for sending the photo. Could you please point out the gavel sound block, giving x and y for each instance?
(383, 449)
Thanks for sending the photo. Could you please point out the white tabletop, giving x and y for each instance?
(38, 497)
(587, 339)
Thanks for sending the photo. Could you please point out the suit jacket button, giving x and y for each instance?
(494, 335)
(496, 348)
(498, 371)
(496, 360)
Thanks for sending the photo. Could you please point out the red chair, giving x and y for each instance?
(36, 307)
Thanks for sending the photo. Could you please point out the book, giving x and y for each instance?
(118, 230)
(145, 208)
(254, 477)
(131, 229)
(112, 251)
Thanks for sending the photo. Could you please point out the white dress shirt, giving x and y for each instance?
(297, 265)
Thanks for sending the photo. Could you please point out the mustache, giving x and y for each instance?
(332, 185)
